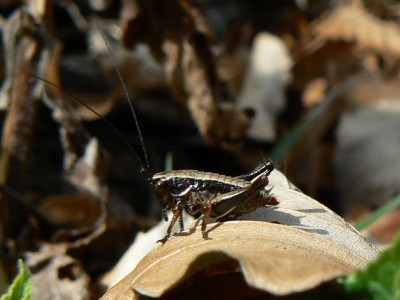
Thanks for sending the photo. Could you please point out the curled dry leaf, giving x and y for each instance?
(300, 211)
(274, 258)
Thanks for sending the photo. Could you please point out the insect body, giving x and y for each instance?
(211, 194)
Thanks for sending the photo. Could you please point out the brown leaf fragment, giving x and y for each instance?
(181, 39)
(386, 228)
(353, 23)
(24, 46)
(152, 22)
(87, 172)
(218, 120)
(314, 92)
(74, 211)
(56, 275)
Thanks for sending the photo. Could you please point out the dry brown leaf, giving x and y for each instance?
(386, 228)
(333, 61)
(314, 92)
(74, 211)
(181, 39)
(218, 120)
(55, 275)
(353, 23)
(24, 50)
(273, 257)
(300, 211)
(86, 174)
(143, 244)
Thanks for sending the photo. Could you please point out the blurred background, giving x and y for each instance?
(217, 86)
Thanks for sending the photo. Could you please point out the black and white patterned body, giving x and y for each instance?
(212, 194)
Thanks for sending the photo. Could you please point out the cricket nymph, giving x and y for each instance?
(211, 194)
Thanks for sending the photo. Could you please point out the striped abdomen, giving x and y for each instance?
(194, 188)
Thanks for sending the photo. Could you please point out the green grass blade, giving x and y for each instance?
(21, 288)
(384, 209)
(278, 153)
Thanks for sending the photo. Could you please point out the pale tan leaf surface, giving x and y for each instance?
(143, 244)
(296, 209)
(277, 178)
(273, 257)
(300, 211)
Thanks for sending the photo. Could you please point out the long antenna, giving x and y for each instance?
(145, 167)
(146, 158)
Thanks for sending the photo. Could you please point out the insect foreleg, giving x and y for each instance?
(176, 215)
(181, 202)
(165, 214)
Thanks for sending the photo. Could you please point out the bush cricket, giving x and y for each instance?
(209, 194)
